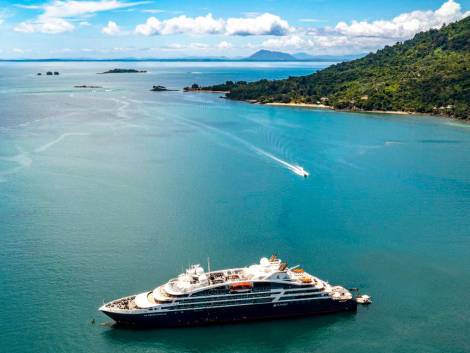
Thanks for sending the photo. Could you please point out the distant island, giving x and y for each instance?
(49, 73)
(87, 86)
(123, 71)
(267, 55)
(161, 89)
(427, 74)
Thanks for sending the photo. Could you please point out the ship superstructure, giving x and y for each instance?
(268, 289)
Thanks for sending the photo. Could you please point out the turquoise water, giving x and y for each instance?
(112, 191)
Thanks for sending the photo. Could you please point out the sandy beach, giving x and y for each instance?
(323, 106)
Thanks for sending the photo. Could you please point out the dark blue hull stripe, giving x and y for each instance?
(234, 313)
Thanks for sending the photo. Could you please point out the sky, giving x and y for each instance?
(213, 28)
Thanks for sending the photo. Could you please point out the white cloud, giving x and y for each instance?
(71, 8)
(289, 42)
(197, 25)
(224, 45)
(325, 43)
(181, 24)
(84, 24)
(52, 20)
(49, 25)
(251, 14)
(404, 25)
(58, 16)
(151, 27)
(310, 20)
(363, 36)
(61, 51)
(153, 11)
(183, 47)
(4, 14)
(111, 29)
(266, 24)
(448, 9)
(195, 46)
(175, 46)
(29, 7)
(199, 46)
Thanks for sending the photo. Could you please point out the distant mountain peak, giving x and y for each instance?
(268, 55)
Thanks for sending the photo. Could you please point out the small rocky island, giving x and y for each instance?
(49, 73)
(161, 89)
(123, 71)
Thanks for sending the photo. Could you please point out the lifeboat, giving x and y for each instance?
(241, 287)
(298, 270)
(306, 280)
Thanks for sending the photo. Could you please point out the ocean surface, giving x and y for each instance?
(108, 192)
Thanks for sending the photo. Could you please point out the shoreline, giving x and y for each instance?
(328, 107)
(298, 105)
(204, 91)
(390, 112)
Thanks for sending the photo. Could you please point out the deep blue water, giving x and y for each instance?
(112, 191)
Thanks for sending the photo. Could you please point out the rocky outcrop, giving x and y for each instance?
(160, 89)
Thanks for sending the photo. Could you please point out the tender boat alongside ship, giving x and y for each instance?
(269, 289)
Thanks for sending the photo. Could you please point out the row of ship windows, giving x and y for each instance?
(312, 290)
(224, 303)
(263, 287)
(247, 295)
(243, 301)
(304, 296)
(242, 296)
(227, 296)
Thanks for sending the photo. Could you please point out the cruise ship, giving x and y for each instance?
(269, 289)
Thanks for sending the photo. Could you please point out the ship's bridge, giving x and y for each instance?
(192, 279)
(195, 278)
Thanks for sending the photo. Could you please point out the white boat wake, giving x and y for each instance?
(57, 140)
(296, 169)
(22, 160)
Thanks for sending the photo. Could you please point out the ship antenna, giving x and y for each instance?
(208, 264)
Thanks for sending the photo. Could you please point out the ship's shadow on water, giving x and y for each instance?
(282, 335)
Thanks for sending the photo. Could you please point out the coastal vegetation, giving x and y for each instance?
(196, 88)
(427, 74)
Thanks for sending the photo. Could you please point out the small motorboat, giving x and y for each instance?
(301, 171)
(364, 299)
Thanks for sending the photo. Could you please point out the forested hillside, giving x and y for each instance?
(429, 74)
